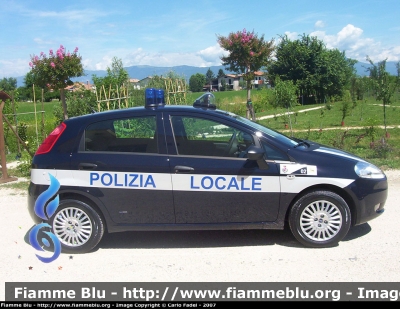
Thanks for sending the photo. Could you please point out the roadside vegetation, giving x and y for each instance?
(362, 133)
(311, 93)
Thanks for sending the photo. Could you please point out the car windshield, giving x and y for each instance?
(289, 142)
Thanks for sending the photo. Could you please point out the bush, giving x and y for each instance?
(78, 103)
(24, 167)
(382, 149)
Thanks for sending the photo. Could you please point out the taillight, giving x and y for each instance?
(50, 140)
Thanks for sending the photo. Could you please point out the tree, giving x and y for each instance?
(359, 87)
(318, 72)
(56, 70)
(29, 79)
(209, 77)
(223, 84)
(383, 86)
(286, 94)
(248, 53)
(117, 71)
(221, 73)
(26, 92)
(345, 106)
(8, 84)
(196, 82)
(80, 102)
(116, 76)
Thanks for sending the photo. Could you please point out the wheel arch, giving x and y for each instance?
(85, 199)
(325, 187)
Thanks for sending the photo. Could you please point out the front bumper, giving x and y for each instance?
(369, 196)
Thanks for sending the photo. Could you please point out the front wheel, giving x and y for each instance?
(77, 225)
(320, 219)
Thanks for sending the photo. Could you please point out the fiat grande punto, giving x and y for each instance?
(166, 167)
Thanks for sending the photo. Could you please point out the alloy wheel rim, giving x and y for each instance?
(321, 220)
(72, 226)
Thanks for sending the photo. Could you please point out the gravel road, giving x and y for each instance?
(369, 253)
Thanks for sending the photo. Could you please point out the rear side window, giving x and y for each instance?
(136, 134)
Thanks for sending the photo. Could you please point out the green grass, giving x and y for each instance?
(362, 114)
(15, 173)
(20, 185)
(221, 97)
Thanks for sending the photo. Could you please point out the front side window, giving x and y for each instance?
(204, 137)
(274, 154)
(136, 134)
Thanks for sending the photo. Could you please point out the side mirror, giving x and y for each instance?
(256, 153)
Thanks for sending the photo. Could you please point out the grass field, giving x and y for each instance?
(362, 133)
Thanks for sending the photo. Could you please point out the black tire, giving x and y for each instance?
(320, 219)
(77, 225)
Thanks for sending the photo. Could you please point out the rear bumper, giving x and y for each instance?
(32, 197)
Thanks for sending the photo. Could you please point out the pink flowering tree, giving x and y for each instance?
(55, 70)
(248, 53)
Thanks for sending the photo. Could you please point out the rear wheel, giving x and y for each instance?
(320, 219)
(77, 225)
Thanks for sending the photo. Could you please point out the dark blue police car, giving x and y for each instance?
(164, 167)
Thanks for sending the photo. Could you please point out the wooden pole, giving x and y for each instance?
(105, 95)
(16, 123)
(43, 132)
(97, 98)
(126, 94)
(34, 104)
(119, 98)
(109, 97)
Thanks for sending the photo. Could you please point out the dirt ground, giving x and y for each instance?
(369, 253)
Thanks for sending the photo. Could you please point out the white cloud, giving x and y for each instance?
(350, 39)
(14, 68)
(203, 58)
(319, 24)
(73, 16)
(105, 62)
(212, 54)
(40, 41)
(291, 35)
(349, 34)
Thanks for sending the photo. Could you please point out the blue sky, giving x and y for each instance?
(170, 33)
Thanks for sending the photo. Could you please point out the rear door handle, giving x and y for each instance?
(182, 168)
(87, 166)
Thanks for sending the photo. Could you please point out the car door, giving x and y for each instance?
(213, 181)
(120, 162)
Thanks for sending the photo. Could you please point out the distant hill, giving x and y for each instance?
(362, 68)
(143, 71)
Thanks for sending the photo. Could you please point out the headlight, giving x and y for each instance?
(367, 170)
